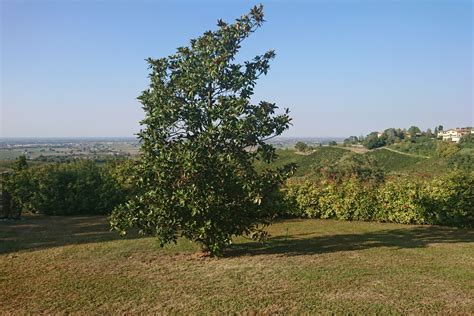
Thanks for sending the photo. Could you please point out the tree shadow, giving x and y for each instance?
(39, 232)
(302, 244)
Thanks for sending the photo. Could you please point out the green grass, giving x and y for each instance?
(422, 147)
(306, 161)
(75, 265)
(391, 162)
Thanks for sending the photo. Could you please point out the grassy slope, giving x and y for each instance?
(305, 162)
(393, 162)
(423, 147)
(74, 264)
(389, 161)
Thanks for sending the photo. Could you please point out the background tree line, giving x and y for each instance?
(392, 136)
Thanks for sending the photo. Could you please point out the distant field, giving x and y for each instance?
(86, 149)
(75, 265)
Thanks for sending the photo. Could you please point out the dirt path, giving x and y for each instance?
(403, 153)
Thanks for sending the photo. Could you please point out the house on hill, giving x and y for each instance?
(455, 134)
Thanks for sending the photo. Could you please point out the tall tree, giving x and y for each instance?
(201, 136)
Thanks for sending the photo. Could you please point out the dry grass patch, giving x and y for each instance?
(75, 265)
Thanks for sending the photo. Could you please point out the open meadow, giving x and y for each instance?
(75, 265)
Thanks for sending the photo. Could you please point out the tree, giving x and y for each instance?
(20, 163)
(332, 143)
(351, 140)
(391, 136)
(201, 135)
(429, 133)
(360, 167)
(413, 130)
(301, 146)
(374, 141)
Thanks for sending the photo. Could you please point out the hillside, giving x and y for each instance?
(414, 162)
(305, 161)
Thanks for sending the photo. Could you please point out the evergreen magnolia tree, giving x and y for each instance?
(200, 138)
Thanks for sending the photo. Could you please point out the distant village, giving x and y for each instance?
(451, 135)
(455, 134)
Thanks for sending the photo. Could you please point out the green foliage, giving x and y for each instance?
(201, 138)
(392, 135)
(20, 163)
(445, 200)
(391, 161)
(413, 130)
(451, 199)
(462, 160)
(305, 163)
(423, 146)
(301, 146)
(360, 167)
(350, 200)
(401, 201)
(467, 141)
(64, 189)
(374, 141)
(446, 149)
(17, 190)
(352, 140)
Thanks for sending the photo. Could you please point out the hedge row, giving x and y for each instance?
(446, 200)
(87, 188)
(73, 188)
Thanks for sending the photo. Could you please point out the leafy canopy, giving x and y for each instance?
(201, 136)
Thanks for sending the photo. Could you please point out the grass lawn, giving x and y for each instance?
(74, 265)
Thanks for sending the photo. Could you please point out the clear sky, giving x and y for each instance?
(75, 68)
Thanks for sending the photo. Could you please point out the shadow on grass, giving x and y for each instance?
(303, 244)
(39, 232)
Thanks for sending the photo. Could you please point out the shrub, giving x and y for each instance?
(302, 199)
(352, 166)
(446, 200)
(350, 200)
(446, 149)
(401, 201)
(450, 199)
(65, 189)
(301, 146)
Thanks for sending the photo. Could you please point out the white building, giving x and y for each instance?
(455, 134)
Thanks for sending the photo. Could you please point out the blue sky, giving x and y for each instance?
(75, 68)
